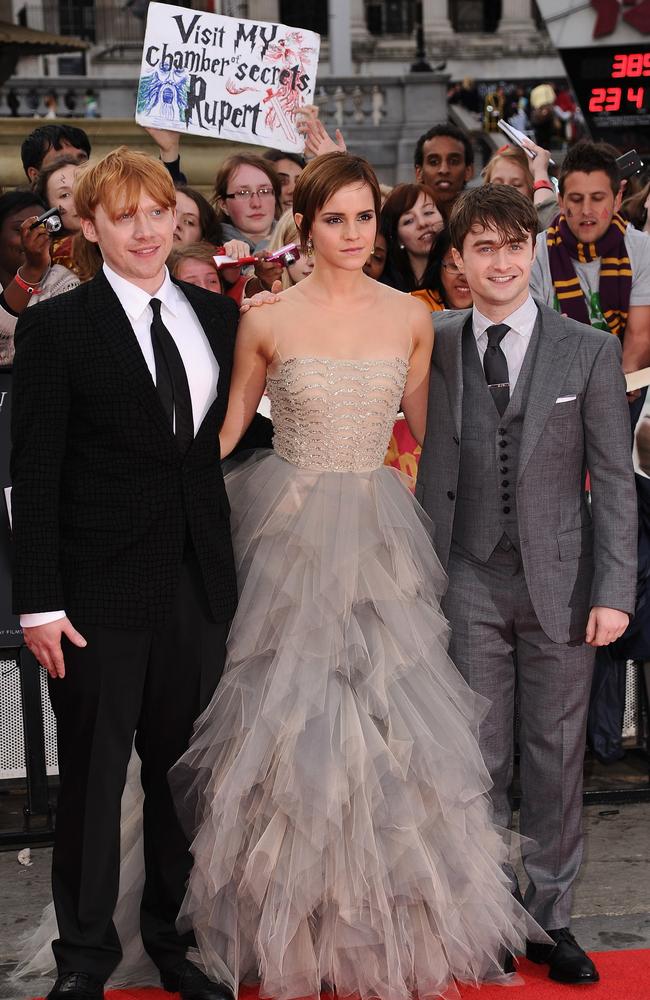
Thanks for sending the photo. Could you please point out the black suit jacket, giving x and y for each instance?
(102, 499)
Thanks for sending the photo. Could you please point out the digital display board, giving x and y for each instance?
(612, 86)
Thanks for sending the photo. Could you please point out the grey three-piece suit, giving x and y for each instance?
(527, 559)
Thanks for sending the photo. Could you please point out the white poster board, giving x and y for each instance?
(225, 77)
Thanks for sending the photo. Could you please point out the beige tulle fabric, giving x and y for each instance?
(333, 788)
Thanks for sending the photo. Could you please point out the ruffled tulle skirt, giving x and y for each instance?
(333, 790)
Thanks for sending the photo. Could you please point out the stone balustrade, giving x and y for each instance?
(380, 117)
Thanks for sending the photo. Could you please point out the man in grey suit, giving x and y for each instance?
(522, 403)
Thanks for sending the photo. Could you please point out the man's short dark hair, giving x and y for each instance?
(493, 206)
(273, 155)
(46, 137)
(15, 201)
(586, 157)
(451, 132)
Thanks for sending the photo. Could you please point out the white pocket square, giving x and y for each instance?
(565, 399)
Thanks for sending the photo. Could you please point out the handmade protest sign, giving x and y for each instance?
(226, 77)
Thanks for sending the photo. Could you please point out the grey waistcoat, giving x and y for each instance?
(486, 501)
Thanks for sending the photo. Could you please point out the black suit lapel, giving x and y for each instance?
(112, 323)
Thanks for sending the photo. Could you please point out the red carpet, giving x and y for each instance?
(624, 975)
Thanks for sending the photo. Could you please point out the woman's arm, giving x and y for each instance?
(416, 391)
(253, 354)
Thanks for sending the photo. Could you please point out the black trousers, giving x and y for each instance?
(148, 684)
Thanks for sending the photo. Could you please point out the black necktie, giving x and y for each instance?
(171, 380)
(495, 365)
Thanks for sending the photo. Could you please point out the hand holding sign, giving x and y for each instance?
(226, 77)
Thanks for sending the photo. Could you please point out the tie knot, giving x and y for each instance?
(155, 306)
(495, 334)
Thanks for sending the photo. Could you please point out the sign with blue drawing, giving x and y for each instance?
(226, 77)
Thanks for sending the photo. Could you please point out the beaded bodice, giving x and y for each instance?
(334, 415)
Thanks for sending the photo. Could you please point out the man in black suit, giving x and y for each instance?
(124, 574)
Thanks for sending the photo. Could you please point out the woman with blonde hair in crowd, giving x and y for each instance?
(512, 166)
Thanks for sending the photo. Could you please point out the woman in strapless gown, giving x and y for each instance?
(333, 789)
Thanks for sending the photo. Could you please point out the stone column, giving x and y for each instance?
(435, 21)
(516, 16)
(340, 37)
(264, 10)
(358, 26)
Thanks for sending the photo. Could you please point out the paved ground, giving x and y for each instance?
(612, 903)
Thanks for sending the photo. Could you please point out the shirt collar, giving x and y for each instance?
(521, 321)
(134, 300)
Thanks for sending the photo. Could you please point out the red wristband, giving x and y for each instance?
(543, 185)
(30, 289)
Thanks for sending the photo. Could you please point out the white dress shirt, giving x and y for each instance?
(515, 343)
(200, 363)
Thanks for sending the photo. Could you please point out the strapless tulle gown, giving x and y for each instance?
(333, 790)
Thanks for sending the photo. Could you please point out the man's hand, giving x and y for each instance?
(44, 641)
(262, 298)
(605, 625)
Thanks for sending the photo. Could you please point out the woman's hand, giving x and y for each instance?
(538, 165)
(236, 249)
(169, 143)
(317, 139)
(36, 247)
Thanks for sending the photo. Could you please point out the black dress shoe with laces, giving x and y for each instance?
(76, 986)
(567, 962)
(192, 984)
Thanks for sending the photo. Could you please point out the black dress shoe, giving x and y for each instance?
(192, 984)
(567, 962)
(76, 986)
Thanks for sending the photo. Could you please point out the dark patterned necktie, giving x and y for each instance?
(495, 366)
(171, 380)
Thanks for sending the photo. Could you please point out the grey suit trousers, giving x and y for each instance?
(502, 652)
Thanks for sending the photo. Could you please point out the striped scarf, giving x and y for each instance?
(615, 283)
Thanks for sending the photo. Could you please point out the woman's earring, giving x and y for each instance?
(310, 247)
(401, 246)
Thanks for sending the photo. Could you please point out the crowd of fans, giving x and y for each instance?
(249, 214)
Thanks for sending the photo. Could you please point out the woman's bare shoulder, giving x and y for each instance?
(392, 298)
